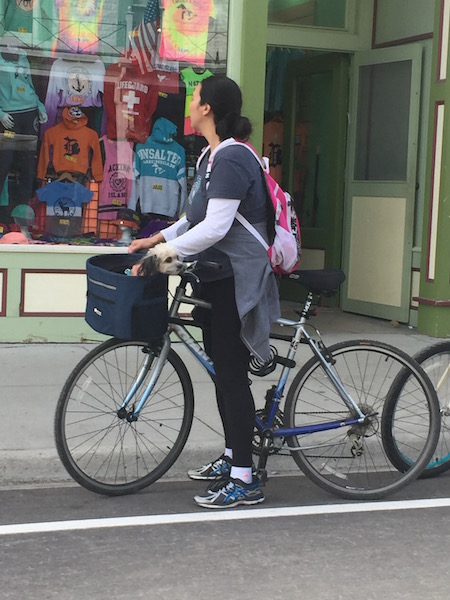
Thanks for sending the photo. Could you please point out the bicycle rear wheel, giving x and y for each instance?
(352, 461)
(108, 454)
(435, 360)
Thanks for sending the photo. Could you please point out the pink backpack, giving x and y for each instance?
(285, 250)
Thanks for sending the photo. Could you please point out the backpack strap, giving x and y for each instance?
(249, 227)
(264, 167)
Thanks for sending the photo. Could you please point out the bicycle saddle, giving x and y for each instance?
(319, 281)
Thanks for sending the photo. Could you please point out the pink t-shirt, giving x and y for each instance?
(117, 177)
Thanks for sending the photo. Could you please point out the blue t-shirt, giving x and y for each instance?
(64, 202)
(235, 175)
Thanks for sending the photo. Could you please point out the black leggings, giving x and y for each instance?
(231, 357)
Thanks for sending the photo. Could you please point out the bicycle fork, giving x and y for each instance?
(160, 355)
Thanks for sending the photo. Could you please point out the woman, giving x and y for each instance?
(243, 293)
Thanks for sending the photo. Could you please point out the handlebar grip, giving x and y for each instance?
(208, 264)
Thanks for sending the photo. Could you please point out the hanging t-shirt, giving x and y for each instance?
(79, 23)
(37, 17)
(73, 83)
(117, 177)
(191, 80)
(130, 101)
(19, 16)
(168, 82)
(184, 34)
(64, 202)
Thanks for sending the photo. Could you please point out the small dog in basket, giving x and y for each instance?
(160, 259)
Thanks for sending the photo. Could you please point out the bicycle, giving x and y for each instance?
(435, 360)
(126, 410)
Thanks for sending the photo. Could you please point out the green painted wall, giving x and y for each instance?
(246, 62)
(16, 328)
(434, 302)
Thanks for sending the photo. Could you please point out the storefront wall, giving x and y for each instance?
(42, 292)
(434, 292)
(382, 29)
(85, 45)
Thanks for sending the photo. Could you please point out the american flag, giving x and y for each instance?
(143, 39)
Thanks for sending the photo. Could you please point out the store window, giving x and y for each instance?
(309, 13)
(96, 144)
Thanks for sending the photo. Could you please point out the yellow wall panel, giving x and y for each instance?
(377, 239)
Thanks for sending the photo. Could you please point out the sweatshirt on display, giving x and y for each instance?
(16, 86)
(117, 177)
(76, 147)
(160, 173)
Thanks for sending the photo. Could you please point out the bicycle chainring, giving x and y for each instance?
(276, 443)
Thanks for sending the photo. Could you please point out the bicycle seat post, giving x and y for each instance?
(307, 306)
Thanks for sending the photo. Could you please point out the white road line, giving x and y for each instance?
(220, 515)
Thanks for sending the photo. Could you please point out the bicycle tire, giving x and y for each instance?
(435, 360)
(351, 461)
(107, 454)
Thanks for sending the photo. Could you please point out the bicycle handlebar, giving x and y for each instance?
(192, 266)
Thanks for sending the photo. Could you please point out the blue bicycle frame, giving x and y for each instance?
(178, 326)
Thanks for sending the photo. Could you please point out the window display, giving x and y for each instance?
(93, 115)
(117, 177)
(79, 22)
(160, 183)
(21, 111)
(73, 83)
(185, 30)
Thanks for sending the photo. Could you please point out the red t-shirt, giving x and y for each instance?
(130, 100)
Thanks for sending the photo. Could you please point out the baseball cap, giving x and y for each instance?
(127, 218)
(13, 237)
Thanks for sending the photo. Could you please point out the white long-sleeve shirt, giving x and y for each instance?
(219, 217)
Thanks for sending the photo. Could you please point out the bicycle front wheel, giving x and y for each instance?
(352, 461)
(435, 360)
(108, 454)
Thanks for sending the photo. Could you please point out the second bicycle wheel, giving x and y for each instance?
(351, 461)
(435, 360)
(110, 455)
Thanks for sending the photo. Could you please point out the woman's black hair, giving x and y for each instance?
(225, 98)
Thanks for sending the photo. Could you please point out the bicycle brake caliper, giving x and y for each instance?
(325, 352)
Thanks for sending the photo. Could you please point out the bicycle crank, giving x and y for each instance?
(276, 444)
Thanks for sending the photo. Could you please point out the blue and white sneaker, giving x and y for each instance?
(221, 467)
(233, 493)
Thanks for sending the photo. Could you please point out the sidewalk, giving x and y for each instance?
(33, 375)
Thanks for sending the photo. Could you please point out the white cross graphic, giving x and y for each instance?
(131, 100)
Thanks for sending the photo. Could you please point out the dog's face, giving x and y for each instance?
(161, 259)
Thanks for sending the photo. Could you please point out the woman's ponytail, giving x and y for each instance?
(225, 98)
(233, 125)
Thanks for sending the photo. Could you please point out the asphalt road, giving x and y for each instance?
(67, 543)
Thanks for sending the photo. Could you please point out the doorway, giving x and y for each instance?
(382, 178)
(314, 140)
